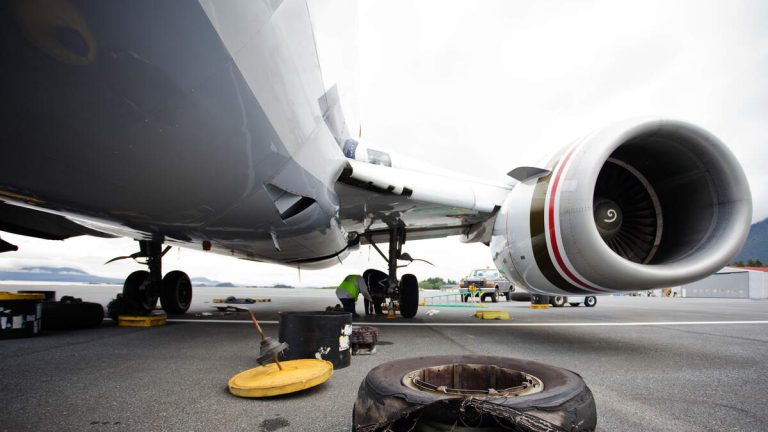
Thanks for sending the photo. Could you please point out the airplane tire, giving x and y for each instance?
(557, 301)
(136, 291)
(409, 296)
(384, 403)
(176, 293)
(69, 315)
(520, 296)
(377, 282)
(590, 301)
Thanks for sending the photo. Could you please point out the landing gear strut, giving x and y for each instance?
(405, 290)
(142, 288)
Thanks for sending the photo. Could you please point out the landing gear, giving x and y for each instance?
(407, 289)
(142, 288)
(377, 282)
(409, 296)
(138, 292)
(176, 292)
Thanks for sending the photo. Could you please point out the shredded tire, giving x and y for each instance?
(384, 403)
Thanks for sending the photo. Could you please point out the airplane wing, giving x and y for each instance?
(431, 205)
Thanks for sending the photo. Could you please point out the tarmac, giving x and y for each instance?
(653, 364)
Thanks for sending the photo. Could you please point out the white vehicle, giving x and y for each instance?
(485, 283)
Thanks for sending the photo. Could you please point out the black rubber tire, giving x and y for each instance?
(557, 301)
(136, 291)
(69, 316)
(495, 296)
(590, 301)
(377, 282)
(409, 296)
(176, 294)
(574, 304)
(377, 302)
(520, 296)
(385, 403)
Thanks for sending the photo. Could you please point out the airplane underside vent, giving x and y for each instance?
(627, 212)
(288, 204)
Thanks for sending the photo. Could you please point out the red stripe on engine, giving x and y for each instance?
(551, 227)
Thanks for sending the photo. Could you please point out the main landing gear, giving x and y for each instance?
(143, 288)
(406, 290)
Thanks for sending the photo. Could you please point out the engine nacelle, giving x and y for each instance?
(639, 205)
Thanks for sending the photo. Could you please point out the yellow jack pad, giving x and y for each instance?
(492, 315)
(268, 380)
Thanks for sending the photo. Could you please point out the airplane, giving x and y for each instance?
(208, 125)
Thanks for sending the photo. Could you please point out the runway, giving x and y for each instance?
(653, 364)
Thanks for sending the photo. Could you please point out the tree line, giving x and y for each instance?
(749, 263)
(435, 283)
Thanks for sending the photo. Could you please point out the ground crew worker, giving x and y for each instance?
(349, 290)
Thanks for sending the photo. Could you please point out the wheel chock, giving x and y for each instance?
(540, 306)
(492, 315)
(269, 380)
(152, 320)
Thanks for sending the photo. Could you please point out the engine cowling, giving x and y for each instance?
(641, 204)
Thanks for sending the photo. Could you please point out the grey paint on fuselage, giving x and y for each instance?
(163, 130)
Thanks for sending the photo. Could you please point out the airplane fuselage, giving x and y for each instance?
(182, 121)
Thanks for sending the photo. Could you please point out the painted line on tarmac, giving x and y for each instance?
(551, 324)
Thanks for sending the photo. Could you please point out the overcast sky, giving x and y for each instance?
(485, 86)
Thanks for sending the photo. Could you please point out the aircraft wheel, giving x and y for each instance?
(557, 301)
(388, 400)
(574, 304)
(138, 294)
(377, 282)
(409, 296)
(176, 293)
(590, 301)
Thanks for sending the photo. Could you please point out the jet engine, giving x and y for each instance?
(641, 204)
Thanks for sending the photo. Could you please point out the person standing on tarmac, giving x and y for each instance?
(349, 290)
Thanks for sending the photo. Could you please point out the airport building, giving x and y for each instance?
(731, 282)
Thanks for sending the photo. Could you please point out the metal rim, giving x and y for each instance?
(483, 379)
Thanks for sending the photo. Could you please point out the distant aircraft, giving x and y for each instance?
(207, 125)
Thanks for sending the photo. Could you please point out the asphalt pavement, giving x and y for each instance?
(653, 364)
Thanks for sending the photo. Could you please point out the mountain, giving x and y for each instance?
(73, 275)
(205, 282)
(756, 246)
(55, 274)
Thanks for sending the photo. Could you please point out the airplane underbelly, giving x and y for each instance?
(138, 114)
